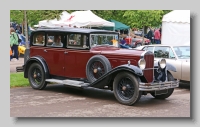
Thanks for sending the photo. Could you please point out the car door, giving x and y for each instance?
(54, 55)
(77, 55)
(186, 70)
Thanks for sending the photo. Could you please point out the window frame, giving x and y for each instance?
(82, 45)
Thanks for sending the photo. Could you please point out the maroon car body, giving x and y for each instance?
(92, 58)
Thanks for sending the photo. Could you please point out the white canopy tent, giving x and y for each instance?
(86, 19)
(51, 23)
(176, 28)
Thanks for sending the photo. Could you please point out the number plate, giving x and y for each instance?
(159, 92)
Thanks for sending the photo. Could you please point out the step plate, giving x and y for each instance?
(68, 82)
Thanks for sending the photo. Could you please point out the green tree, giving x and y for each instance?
(144, 18)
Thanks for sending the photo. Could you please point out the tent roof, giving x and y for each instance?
(119, 25)
(63, 16)
(86, 18)
(181, 16)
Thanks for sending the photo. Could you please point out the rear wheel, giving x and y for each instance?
(36, 76)
(126, 88)
(170, 91)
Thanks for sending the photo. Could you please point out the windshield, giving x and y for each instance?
(104, 39)
(183, 52)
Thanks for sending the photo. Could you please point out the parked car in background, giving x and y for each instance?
(84, 58)
(137, 42)
(179, 56)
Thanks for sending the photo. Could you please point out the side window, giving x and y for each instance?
(161, 52)
(77, 41)
(55, 39)
(39, 39)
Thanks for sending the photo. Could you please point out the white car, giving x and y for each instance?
(179, 56)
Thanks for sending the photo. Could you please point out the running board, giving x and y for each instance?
(69, 82)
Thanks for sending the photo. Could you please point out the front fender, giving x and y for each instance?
(38, 59)
(130, 68)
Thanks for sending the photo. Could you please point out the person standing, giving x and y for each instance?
(150, 35)
(14, 43)
(157, 36)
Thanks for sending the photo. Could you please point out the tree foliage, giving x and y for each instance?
(133, 18)
(142, 18)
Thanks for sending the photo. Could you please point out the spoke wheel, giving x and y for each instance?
(126, 89)
(36, 76)
(96, 67)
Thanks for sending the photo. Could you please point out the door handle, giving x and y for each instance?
(65, 52)
(45, 50)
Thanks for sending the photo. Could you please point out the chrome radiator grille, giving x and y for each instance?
(149, 73)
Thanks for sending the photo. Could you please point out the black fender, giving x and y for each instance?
(169, 66)
(38, 59)
(100, 82)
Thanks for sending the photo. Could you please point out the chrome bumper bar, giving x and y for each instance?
(158, 86)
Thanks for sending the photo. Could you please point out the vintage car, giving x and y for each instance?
(83, 58)
(177, 55)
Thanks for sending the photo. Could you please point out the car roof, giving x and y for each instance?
(69, 29)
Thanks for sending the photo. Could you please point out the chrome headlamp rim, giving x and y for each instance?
(162, 63)
(142, 64)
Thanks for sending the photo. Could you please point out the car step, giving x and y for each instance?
(68, 82)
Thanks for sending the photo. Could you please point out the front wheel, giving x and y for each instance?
(170, 91)
(126, 88)
(36, 76)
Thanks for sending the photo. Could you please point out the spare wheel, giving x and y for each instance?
(97, 66)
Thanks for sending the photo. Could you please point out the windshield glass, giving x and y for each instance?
(183, 52)
(104, 39)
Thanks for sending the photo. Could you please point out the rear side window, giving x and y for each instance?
(55, 39)
(39, 39)
(77, 41)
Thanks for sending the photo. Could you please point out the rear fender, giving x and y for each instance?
(37, 59)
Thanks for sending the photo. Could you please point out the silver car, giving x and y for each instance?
(179, 56)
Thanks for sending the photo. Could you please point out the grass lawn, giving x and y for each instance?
(18, 80)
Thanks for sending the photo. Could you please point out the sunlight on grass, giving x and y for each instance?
(18, 80)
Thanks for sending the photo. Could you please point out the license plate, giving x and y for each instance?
(159, 92)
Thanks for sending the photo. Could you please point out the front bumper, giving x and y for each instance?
(158, 86)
